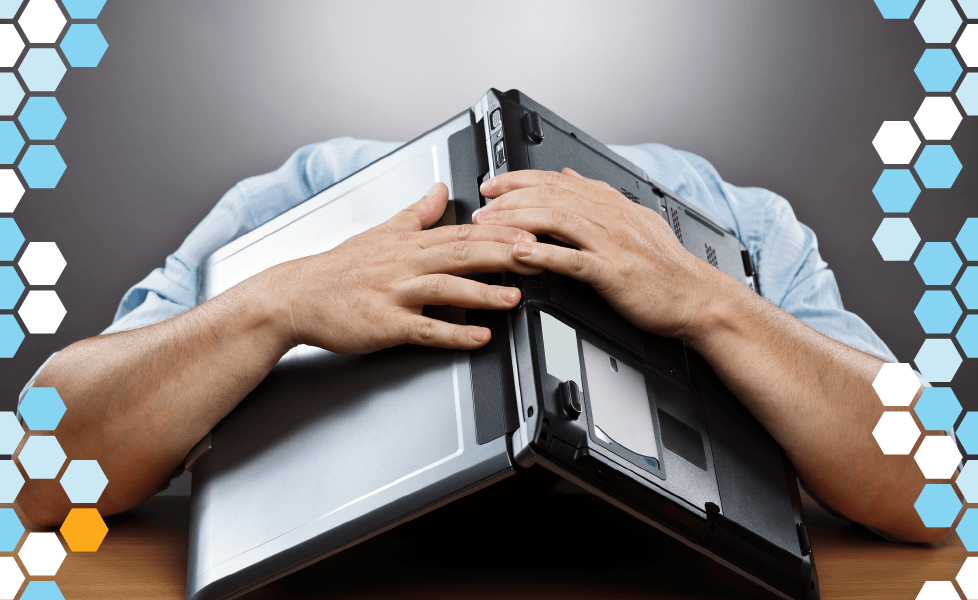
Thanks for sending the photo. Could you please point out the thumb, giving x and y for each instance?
(424, 213)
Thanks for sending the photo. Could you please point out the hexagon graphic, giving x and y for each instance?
(42, 311)
(967, 433)
(938, 311)
(11, 336)
(967, 46)
(938, 117)
(42, 590)
(896, 384)
(42, 554)
(11, 288)
(9, 8)
(896, 190)
(968, 239)
(42, 457)
(938, 263)
(42, 118)
(967, 482)
(84, 45)
(896, 9)
(967, 577)
(967, 529)
(938, 70)
(84, 482)
(10, 94)
(968, 336)
(11, 142)
(42, 409)
(896, 433)
(11, 433)
(11, 578)
(11, 239)
(938, 360)
(896, 239)
(11, 45)
(896, 142)
(42, 166)
(937, 590)
(83, 9)
(84, 530)
(11, 530)
(938, 457)
(42, 263)
(937, 21)
(968, 94)
(970, 8)
(937, 166)
(42, 69)
(10, 481)
(938, 505)
(938, 408)
(11, 190)
(42, 21)
(967, 287)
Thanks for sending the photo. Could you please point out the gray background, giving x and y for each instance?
(193, 96)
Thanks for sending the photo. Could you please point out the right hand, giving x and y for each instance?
(367, 293)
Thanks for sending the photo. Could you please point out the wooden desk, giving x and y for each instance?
(458, 552)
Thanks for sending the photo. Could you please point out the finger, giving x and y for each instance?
(597, 182)
(440, 289)
(460, 258)
(422, 214)
(581, 265)
(514, 180)
(432, 332)
(461, 233)
(538, 197)
(564, 225)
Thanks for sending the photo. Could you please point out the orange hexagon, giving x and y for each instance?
(84, 529)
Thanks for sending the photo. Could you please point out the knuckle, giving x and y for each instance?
(425, 330)
(552, 178)
(461, 232)
(580, 263)
(460, 252)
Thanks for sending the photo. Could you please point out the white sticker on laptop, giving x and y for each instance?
(560, 350)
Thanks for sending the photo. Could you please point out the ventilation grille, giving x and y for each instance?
(711, 255)
(630, 196)
(675, 224)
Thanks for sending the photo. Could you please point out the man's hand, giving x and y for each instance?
(367, 293)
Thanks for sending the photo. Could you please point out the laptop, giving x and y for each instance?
(330, 450)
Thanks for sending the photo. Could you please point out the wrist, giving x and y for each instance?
(266, 310)
(721, 307)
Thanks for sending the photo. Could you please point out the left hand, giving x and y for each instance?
(627, 252)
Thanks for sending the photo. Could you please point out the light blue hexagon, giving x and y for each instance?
(11, 288)
(938, 263)
(84, 45)
(10, 94)
(937, 21)
(938, 505)
(967, 287)
(11, 142)
(938, 311)
(938, 360)
(84, 9)
(938, 408)
(11, 432)
(896, 239)
(42, 457)
(968, 529)
(42, 590)
(84, 481)
(896, 9)
(896, 190)
(937, 166)
(42, 69)
(10, 481)
(967, 433)
(968, 239)
(8, 8)
(968, 92)
(968, 336)
(11, 239)
(11, 530)
(938, 70)
(11, 337)
(42, 166)
(42, 118)
(42, 409)
(967, 482)
(970, 8)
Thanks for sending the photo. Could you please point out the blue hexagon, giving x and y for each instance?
(970, 8)
(937, 21)
(42, 409)
(10, 94)
(8, 8)
(937, 166)
(11, 239)
(42, 69)
(896, 9)
(11, 530)
(42, 457)
(84, 9)
(938, 408)
(42, 166)
(11, 288)
(968, 239)
(42, 118)
(968, 92)
(938, 311)
(10, 481)
(968, 530)
(84, 481)
(11, 142)
(967, 287)
(967, 482)
(11, 336)
(11, 432)
(938, 263)
(84, 45)
(896, 239)
(42, 590)
(938, 70)
(938, 505)
(967, 433)
(938, 360)
(968, 336)
(896, 190)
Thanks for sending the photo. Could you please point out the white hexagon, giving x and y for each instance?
(42, 21)
(11, 45)
(42, 311)
(42, 263)
(967, 578)
(42, 554)
(896, 142)
(11, 190)
(938, 590)
(938, 457)
(11, 578)
(896, 432)
(938, 118)
(968, 45)
(896, 384)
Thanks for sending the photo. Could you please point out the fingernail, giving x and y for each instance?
(509, 295)
(480, 335)
(527, 237)
(523, 250)
(432, 190)
(474, 213)
(486, 186)
(485, 215)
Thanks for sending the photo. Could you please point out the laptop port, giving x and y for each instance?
(499, 153)
(495, 119)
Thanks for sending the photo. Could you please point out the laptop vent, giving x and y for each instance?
(711, 255)
(675, 224)
(630, 196)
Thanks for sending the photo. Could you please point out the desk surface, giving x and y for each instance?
(460, 552)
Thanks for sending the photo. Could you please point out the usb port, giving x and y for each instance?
(494, 119)
(499, 152)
